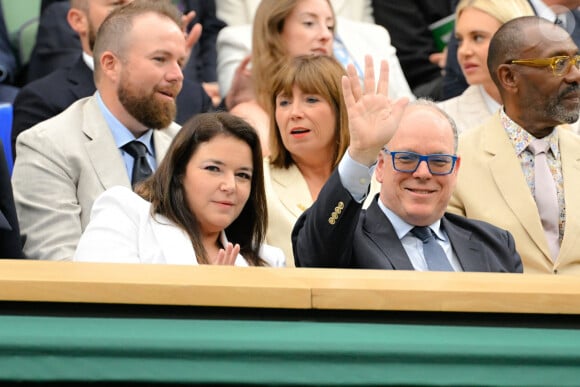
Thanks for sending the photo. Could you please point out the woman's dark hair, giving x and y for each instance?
(164, 189)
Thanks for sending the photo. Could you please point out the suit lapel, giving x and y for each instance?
(161, 142)
(467, 251)
(569, 144)
(291, 188)
(101, 148)
(80, 76)
(173, 242)
(509, 178)
(380, 230)
(474, 105)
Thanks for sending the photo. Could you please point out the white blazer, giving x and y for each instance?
(122, 230)
(468, 109)
(234, 43)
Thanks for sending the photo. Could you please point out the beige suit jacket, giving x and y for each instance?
(63, 164)
(288, 196)
(491, 187)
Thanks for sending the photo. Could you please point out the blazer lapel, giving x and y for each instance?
(101, 148)
(507, 173)
(4, 224)
(161, 142)
(380, 230)
(291, 189)
(174, 243)
(569, 144)
(474, 105)
(80, 76)
(467, 251)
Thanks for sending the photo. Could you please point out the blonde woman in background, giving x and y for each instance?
(475, 23)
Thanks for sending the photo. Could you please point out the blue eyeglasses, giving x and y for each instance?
(408, 162)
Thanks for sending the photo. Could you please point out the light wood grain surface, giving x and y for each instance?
(43, 281)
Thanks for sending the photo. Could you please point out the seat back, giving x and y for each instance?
(6, 133)
(21, 19)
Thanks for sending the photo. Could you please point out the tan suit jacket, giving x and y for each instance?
(63, 164)
(288, 196)
(491, 187)
(468, 109)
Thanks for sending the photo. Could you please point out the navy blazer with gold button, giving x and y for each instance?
(336, 232)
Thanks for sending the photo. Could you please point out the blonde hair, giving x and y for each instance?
(502, 10)
(268, 49)
(319, 75)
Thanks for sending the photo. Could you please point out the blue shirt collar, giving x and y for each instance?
(402, 228)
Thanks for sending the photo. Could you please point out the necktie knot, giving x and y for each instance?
(141, 168)
(135, 149)
(423, 233)
(538, 146)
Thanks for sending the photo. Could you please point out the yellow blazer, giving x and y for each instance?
(288, 196)
(491, 187)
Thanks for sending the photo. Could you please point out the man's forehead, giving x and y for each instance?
(547, 39)
(422, 114)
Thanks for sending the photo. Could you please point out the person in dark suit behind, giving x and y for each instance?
(202, 64)
(56, 45)
(10, 241)
(50, 95)
(336, 232)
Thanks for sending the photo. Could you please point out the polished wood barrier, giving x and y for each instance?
(331, 289)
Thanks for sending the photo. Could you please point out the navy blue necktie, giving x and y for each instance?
(141, 168)
(433, 252)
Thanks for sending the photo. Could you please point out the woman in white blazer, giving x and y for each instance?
(475, 23)
(205, 204)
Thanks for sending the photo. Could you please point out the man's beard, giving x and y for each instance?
(561, 113)
(146, 109)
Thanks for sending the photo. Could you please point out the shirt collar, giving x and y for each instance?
(521, 138)
(89, 61)
(542, 10)
(402, 228)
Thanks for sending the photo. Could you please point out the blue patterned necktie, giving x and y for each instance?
(433, 252)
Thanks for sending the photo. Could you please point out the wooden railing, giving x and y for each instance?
(332, 289)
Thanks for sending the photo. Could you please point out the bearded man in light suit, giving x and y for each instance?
(65, 162)
(534, 64)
